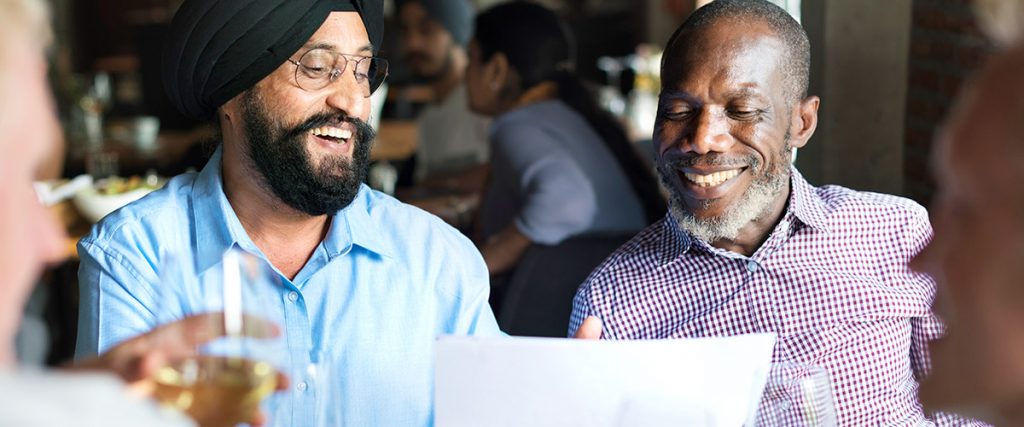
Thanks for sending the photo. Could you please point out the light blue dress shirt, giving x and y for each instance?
(385, 282)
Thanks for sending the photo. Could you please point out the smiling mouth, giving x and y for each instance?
(713, 179)
(333, 134)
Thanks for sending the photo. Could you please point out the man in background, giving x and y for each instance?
(435, 33)
(977, 255)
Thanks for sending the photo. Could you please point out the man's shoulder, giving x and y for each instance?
(147, 217)
(642, 253)
(842, 203)
(408, 225)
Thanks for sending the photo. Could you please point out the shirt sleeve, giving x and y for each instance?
(558, 199)
(115, 299)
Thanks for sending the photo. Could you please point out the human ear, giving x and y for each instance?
(804, 121)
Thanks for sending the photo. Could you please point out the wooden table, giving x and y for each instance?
(396, 140)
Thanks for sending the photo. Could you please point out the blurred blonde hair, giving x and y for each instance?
(1001, 20)
(24, 21)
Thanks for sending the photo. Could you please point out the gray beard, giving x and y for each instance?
(755, 204)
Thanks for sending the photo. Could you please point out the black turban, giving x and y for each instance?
(217, 49)
(456, 16)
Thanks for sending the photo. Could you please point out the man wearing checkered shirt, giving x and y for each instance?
(749, 246)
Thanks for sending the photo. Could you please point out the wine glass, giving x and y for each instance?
(797, 394)
(223, 380)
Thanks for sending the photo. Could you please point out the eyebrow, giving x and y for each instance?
(331, 47)
(747, 91)
(674, 95)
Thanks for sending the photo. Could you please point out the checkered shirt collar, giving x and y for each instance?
(804, 204)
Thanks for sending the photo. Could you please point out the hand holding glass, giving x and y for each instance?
(223, 381)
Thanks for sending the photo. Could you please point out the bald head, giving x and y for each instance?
(796, 54)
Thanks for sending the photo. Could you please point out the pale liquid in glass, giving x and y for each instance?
(222, 390)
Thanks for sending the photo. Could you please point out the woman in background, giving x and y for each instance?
(561, 166)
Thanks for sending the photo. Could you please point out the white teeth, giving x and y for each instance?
(713, 179)
(332, 132)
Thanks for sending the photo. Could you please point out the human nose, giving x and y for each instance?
(347, 94)
(710, 133)
(412, 41)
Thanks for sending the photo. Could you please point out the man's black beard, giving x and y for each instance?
(279, 154)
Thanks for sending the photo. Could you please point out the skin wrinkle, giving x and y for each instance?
(721, 112)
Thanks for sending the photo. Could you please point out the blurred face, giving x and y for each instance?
(481, 89)
(30, 235)
(722, 131)
(977, 254)
(311, 147)
(426, 45)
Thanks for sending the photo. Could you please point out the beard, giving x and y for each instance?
(279, 154)
(755, 203)
(443, 69)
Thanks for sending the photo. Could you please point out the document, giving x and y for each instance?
(512, 381)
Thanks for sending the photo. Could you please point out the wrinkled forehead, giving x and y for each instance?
(740, 50)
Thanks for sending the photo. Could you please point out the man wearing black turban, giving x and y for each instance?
(435, 34)
(363, 283)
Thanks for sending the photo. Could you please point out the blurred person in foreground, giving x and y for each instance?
(560, 165)
(451, 139)
(749, 246)
(108, 390)
(365, 283)
(977, 255)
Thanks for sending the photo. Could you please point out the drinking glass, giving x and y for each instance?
(328, 407)
(220, 382)
(797, 395)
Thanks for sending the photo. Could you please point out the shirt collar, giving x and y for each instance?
(218, 229)
(804, 204)
(676, 241)
(354, 225)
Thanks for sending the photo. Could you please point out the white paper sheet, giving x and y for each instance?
(564, 382)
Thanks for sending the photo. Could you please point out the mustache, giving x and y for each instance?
(364, 132)
(416, 56)
(710, 160)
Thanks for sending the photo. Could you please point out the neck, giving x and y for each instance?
(755, 233)
(287, 237)
(452, 78)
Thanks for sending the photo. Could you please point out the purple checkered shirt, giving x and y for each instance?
(831, 281)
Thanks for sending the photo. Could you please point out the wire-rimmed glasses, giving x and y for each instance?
(318, 68)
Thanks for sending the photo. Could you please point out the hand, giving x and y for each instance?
(590, 329)
(136, 359)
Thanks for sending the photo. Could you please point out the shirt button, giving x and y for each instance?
(293, 296)
(301, 386)
(751, 266)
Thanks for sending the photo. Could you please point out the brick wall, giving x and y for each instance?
(945, 48)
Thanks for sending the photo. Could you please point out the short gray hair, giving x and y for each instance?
(797, 62)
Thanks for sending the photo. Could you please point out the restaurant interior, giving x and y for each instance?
(885, 71)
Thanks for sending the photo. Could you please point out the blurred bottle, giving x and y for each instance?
(643, 100)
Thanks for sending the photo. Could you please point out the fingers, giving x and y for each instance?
(590, 329)
(203, 328)
(282, 382)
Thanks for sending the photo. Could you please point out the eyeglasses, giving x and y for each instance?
(318, 68)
